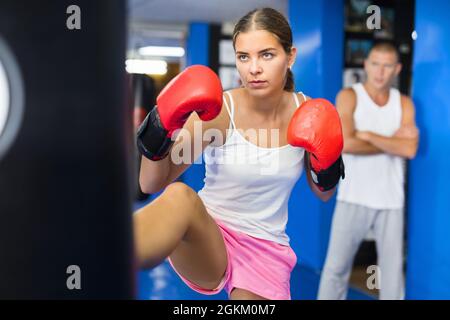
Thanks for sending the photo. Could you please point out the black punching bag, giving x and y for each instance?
(66, 151)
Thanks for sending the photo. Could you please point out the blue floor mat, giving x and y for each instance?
(162, 283)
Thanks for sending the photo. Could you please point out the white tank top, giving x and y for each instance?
(374, 181)
(247, 187)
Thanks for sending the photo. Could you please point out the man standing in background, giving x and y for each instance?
(379, 129)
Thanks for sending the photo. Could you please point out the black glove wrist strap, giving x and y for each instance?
(152, 139)
(329, 178)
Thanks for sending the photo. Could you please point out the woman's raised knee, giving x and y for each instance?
(180, 192)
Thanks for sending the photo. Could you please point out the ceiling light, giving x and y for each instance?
(161, 51)
(155, 67)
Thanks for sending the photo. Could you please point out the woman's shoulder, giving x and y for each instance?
(234, 97)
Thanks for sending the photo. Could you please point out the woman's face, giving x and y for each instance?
(262, 62)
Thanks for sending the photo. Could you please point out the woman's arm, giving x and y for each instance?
(324, 196)
(188, 146)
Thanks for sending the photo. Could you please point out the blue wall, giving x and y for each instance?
(197, 52)
(428, 263)
(197, 44)
(318, 30)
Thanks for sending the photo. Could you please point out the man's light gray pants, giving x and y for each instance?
(350, 226)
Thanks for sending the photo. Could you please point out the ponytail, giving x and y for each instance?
(289, 85)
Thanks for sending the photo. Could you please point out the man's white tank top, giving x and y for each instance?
(247, 187)
(374, 181)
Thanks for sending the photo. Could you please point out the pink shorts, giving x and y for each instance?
(260, 266)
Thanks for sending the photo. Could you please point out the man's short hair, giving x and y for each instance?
(385, 46)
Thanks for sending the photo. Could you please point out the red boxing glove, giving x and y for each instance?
(197, 89)
(316, 127)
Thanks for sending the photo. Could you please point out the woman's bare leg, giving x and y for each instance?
(177, 224)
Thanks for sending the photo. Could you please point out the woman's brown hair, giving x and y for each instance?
(270, 20)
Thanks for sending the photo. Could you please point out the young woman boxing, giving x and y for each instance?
(231, 234)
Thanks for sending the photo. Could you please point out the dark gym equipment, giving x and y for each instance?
(67, 173)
